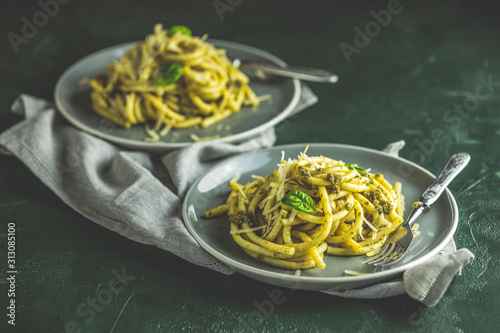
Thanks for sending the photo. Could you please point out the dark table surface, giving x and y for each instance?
(418, 74)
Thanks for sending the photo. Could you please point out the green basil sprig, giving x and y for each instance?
(355, 167)
(180, 29)
(169, 74)
(300, 201)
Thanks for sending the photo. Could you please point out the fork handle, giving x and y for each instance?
(455, 164)
(308, 74)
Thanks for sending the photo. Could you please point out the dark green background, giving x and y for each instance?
(400, 86)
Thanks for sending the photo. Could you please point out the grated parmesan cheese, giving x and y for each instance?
(272, 209)
(370, 225)
(265, 97)
(263, 202)
(414, 230)
(240, 188)
(196, 138)
(356, 273)
(360, 235)
(374, 252)
(303, 153)
(235, 178)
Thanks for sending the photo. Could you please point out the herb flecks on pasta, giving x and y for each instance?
(310, 206)
(174, 79)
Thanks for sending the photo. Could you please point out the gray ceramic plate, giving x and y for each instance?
(437, 227)
(73, 101)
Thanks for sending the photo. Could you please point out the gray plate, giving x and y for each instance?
(437, 227)
(73, 101)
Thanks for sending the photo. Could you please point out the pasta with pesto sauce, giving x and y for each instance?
(311, 206)
(205, 89)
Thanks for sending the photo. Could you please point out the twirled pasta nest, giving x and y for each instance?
(209, 89)
(310, 206)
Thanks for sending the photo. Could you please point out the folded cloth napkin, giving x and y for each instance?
(132, 193)
(125, 191)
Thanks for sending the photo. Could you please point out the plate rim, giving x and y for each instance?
(173, 145)
(376, 276)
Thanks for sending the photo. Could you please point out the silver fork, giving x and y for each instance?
(307, 74)
(400, 240)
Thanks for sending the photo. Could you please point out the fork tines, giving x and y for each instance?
(390, 255)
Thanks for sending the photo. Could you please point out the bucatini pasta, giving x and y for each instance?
(310, 206)
(174, 79)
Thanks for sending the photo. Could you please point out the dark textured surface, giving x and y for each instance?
(430, 57)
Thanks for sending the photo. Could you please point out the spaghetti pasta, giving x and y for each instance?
(311, 206)
(174, 79)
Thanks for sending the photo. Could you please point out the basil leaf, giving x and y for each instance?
(169, 74)
(300, 201)
(179, 29)
(355, 167)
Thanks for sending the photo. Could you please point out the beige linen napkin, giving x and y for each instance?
(139, 195)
